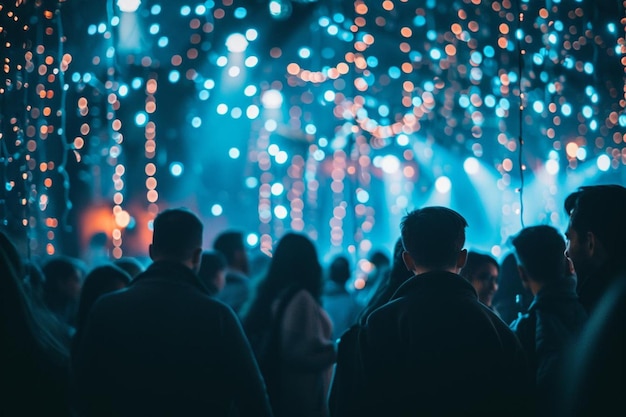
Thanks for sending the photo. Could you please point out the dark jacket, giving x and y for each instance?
(434, 349)
(592, 289)
(163, 347)
(554, 320)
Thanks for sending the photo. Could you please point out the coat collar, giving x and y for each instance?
(170, 271)
(440, 282)
(561, 289)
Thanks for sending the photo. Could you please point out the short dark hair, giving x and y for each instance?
(433, 236)
(177, 234)
(541, 251)
(229, 243)
(600, 209)
(339, 270)
(474, 262)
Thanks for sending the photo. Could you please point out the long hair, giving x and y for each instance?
(21, 327)
(294, 266)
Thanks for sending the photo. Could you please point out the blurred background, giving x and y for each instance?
(329, 117)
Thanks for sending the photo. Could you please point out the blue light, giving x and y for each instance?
(141, 118)
(251, 182)
(394, 72)
(185, 10)
(362, 196)
(196, 122)
(203, 95)
(587, 112)
(419, 21)
(250, 90)
(383, 110)
(209, 84)
(372, 61)
(431, 35)
(76, 77)
(332, 30)
(123, 90)
(566, 109)
(603, 162)
(200, 9)
(136, 83)
(115, 20)
(329, 95)
(236, 43)
(176, 169)
(464, 101)
(128, 6)
(163, 41)
(252, 239)
(310, 129)
(102, 28)
(319, 155)
(221, 61)
(490, 101)
(477, 57)
(402, 140)
(537, 59)
(323, 21)
(154, 28)
(240, 13)
(174, 76)
(156, 9)
(277, 189)
(611, 27)
(304, 52)
(429, 86)
(339, 18)
(622, 120)
(92, 29)
(222, 109)
(234, 153)
(588, 67)
(251, 34)
(323, 142)
(216, 210)
(538, 106)
(489, 51)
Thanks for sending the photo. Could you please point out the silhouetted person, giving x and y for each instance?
(34, 362)
(555, 316)
(512, 299)
(481, 270)
(63, 280)
(236, 292)
(597, 246)
(101, 280)
(344, 389)
(131, 265)
(434, 349)
(290, 332)
(163, 346)
(212, 271)
(340, 304)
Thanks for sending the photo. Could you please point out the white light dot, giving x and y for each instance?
(552, 167)
(362, 196)
(234, 153)
(236, 43)
(282, 157)
(216, 210)
(272, 99)
(234, 71)
(252, 111)
(277, 189)
(280, 211)
(252, 239)
(128, 6)
(604, 162)
(176, 169)
(390, 164)
(443, 184)
(196, 122)
(471, 165)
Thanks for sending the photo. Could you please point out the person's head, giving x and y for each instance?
(101, 280)
(212, 271)
(295, 263)
(540, 254)
(481, 270)
(339, 270)
(63, 281)
(433, 239)
(131, 265)
(596, 234)
(177, 237)
(230, 244)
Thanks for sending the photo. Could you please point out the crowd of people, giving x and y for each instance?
(435, 330)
